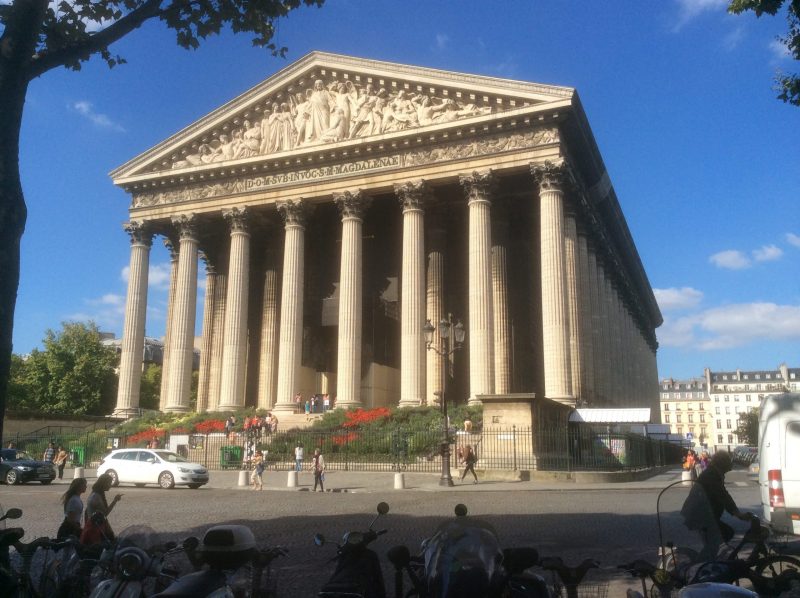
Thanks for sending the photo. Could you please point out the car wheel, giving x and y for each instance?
(114, 477)
(45, 482)
(166, 481)
(194, 486)
(11, 477)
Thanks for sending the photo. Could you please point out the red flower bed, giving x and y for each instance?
(340, 439)
(359, 417)
(210, 425)
(180, 430)
(145, 436)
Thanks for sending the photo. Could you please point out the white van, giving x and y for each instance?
(779, 461)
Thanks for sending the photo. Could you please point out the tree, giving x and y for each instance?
(747, 429)
(150, 388)
(37, 36)
(74, 374)
(787, 85)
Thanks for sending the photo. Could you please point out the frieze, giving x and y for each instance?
(459, 150)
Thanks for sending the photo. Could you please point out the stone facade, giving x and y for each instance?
(343, 202)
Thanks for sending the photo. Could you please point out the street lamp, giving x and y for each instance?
(452, 341)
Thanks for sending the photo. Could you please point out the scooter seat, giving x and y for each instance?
(201, 583)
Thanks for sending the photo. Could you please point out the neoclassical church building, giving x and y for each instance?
(339, 205)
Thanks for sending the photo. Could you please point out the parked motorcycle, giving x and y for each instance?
(358, 570)
(227, 563)
(464, 559)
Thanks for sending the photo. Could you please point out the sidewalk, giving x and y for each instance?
(370, 481)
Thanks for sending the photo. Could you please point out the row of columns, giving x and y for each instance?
(592, 348)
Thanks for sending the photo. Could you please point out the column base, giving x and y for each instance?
(410, 403)
(229, 407)
(176, 409)
(349, 405)
(126, 412)
(286, 408)
(567, 400)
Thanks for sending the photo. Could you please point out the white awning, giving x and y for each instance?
(611, 416)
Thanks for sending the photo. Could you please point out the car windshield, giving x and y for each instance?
(170, 457)
(22, 456)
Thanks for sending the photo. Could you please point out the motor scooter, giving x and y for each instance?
(464, 559)
(358, 570)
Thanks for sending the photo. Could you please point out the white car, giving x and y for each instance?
(152, 466)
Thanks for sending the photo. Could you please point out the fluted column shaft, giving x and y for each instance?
(185, 307)
(501, 325)
(290, 344)
(130, 361)
(597, 330)
(478, 188)
(173, 281)
(267, 372)
(413, 197)
(204, 376)
(572, 270)
(555, 315)
(234, 352)
(217, 341)
(435, 308)
(585, 310)
(348, 375)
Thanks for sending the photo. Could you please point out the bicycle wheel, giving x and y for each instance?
(774, 574)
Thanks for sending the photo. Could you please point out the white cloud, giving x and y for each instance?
(793, 239)
(85, 109)
(442, 40)
(732, 326)
(731, 259)
(157, 277)
(688, 10)
(732, 40)
(107, 311)
(674, 298)
(779, 49)
(767, 253)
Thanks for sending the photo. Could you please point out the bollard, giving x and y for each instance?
(399, 481)
(291, 480)
(686, 478)
(244, 478)
(78, 473)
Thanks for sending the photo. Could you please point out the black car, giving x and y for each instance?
(17, 467)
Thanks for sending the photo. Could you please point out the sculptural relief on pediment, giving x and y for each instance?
(329, 112)
(458, 150)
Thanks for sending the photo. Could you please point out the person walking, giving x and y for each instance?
(60, 461)
(73, 509)
(256, 478)
(298, 457)
(469, 458)
(319, 471)
(97, 503)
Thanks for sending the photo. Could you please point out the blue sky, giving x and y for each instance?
(705, 161)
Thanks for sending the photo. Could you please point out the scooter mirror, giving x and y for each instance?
(17, 513)
(383, 508)
(461, 510)
(319, 539)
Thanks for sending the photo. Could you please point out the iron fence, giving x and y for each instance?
(576, 448)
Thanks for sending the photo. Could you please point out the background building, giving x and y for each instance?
(685, 407)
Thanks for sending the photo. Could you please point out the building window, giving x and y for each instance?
(678, 418)
(702, 418)
(716, 410)
(730, 438)
(691, 418)
(716, 399)
(702, 408)
(728, 424)
(745, 376)
(666, 407)
(666, 418)
(680, 430)
(727, 410)
(748, 398)
(727, 398)
(758, 376)
(769, 377)
(689, 407)
(719, 438)
(677, 406)
(719, 424)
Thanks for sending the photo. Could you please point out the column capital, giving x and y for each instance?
(293, 211)
(140, 232)
(551, 176)
(478, 186)
(413, 195)
(211, 268)
(186, 225)
(172, 248)
(352, 204)
(237, 219)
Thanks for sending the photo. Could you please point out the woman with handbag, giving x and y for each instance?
(73, 509)
(94, 533)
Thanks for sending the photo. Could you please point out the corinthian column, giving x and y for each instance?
(234, 352)
(348, 376)
(173, 280)
(208, 337)
(130, 361)
(290, 345)
(585, 310)
(413, 197)
(181, 349)
(555, 316)
(435, 303)
(478, 189)
(267, 372)
(217, 340)
(502, 328)
(572, 271)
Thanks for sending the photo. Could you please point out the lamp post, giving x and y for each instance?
(452, 340)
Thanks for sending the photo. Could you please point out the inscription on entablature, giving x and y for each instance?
(468, 148)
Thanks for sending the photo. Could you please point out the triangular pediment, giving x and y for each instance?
(328, 100)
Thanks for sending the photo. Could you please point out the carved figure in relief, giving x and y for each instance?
(320, 104)
(251, 139)
(425, 111)
(338, 129)
(301, 115)
(343, 102)
(283, 124)
(265, 132)
(365, 104)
